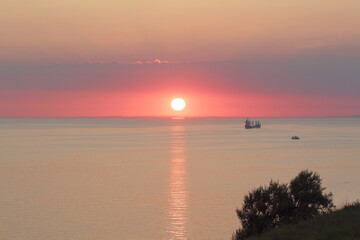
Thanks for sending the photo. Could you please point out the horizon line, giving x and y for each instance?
(174, 116)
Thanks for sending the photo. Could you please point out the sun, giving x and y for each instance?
(178, 104)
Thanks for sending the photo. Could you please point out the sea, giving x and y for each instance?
(159, 178)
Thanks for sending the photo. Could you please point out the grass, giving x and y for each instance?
(342, 224)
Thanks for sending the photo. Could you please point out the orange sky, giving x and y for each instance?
(131, 57)
(189, 30)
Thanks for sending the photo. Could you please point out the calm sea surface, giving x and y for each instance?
(158, 178)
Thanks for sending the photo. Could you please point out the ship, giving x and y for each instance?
(252, 124)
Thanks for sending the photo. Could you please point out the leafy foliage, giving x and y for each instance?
(272, 206)
(307, 193)
(265, 208)
(341, 224)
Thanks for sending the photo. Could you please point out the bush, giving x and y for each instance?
(272, 206)
(264, 208)
(307, 193)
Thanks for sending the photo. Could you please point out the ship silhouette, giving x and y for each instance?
(252, 124)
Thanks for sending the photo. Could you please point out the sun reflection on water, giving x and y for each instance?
(177, 199)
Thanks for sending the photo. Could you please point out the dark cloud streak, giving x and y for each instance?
(298, 75)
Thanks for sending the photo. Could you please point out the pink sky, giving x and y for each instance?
(130, 58)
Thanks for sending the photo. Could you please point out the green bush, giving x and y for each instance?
(272, 206)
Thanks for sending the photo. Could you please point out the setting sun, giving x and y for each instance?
(178, 104)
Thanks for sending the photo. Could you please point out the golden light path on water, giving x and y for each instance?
(178, 194)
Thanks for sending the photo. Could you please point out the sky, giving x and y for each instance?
(225, 58)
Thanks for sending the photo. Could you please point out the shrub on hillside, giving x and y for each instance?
(308, 195)
(272, 206)
(264, 208)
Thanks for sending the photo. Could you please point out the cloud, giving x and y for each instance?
(104, 62)
(335, 76)
(155, 61)
(160, 61)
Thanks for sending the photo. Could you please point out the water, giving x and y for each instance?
(158, 178)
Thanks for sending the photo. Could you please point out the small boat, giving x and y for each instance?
(251, 124)
(295, 138)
